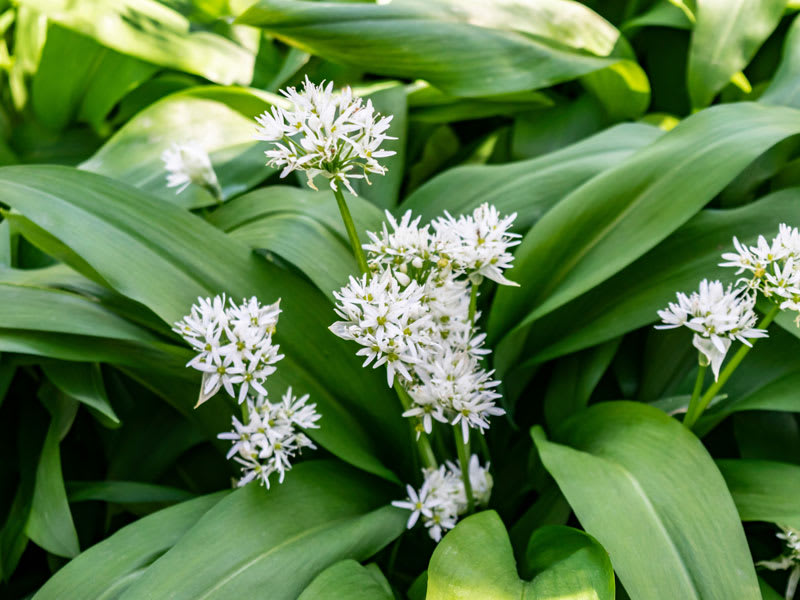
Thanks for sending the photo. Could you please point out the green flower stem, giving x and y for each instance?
(423, 443)
(694, 411)
(463, 458)
(351, 231)
(715, 387)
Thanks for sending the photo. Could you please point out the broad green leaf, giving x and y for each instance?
(629, 299)
(725, 37)
(346, 579)
(530, 187)
(153, 32)
(307, 244)
(98, 78)
(84, 383)
(768, 435)
(475, 560)
(767, 593)
(647, 489)
(258, 539)
(104, 571)
(573, 380)
(133, 154)
(124, 492)
(785, 85)
(609, 222)
(50, 522)
(178, 257)
(463, 48)
(764, 490)
(550, 508)
(274, 200)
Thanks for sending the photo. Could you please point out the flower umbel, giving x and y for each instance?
(442, 498)
(270, 438)
(233, 343)
(790, 559)
(717, 315)
(189, 163)
(337, 136)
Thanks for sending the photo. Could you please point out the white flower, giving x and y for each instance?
(189, 163)
(789, 560)
(234, 345)
(337, 136)
(717, 315)
(442, 497)
(478, 244)
(270, 438)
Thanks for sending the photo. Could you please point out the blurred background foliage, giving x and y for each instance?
(633, 138)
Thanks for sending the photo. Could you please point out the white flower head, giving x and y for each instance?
(189, 163)
(234, 345)
(717, 315)
(271, 437)
(337, 136)
(790, 559)
(442, 497)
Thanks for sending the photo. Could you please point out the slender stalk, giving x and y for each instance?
(463, 458)
(351, 231)
(715, 387)
(692, 412)
(423, 443)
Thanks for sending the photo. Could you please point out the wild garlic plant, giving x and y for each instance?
(236, 352)
(413, 307)
(719, 315)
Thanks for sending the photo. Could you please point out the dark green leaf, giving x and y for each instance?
(764, 490)
(346, 579)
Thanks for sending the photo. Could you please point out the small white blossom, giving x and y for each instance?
(478, 243)
(790, 559)
(233, 343)
(270, 438)
(442, 497)
(717, 315)
(773, 267)
(337, 136)
(189, 163)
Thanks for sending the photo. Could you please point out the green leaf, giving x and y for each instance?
(98, 78)
(104, 571)
(509, 186)
(609, 222)
(153, 32)
(632, 473)
(124, 492)
(463, 48)
(785, 85)
(346, 579)
(178, 257)
(629, 299)
(725, 38)
(84, 383)
(311, 247)
(50, 522)
(208, 117)
(764, 490)
(475, 560)
(256, 537)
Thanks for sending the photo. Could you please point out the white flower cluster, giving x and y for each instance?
(790, 559)
(774, 267)
(233, 343)
(412, 312)
(189, 163)
(333, 135)
(717, 315)
(442, 498)
(269, 439)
